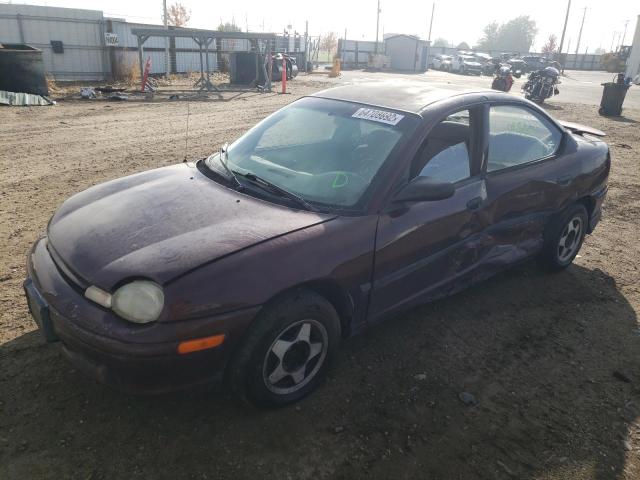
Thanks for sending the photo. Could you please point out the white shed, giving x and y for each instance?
(633, 63)
(406, 52)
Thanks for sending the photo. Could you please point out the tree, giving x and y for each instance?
(177, 15)
(329, 43)
(228, 27)
(516, 35)
(463, 46)
(551, 46)
(490, 38)
(440, 42)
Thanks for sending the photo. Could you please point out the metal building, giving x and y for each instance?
(633, 62)
(407, 52)
(84, 45)
(71, 40)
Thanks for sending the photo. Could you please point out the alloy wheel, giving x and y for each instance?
(570, 238)
(295, 357)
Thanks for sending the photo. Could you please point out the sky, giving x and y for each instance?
(456, 21)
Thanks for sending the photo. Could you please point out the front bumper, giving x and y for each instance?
(129, 357)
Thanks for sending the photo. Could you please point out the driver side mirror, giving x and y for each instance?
(425, 189)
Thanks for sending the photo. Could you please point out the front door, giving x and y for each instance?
(522, 179)
(423, 247)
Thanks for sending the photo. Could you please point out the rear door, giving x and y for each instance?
(423, 247)
(523, 178)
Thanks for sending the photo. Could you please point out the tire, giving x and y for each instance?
(563, 238)
(287, 352)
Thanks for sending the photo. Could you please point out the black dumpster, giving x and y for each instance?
(22, 69)
(612, 99)
(245, 68)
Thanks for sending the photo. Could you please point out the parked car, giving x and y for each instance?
(482, 57)
(534, 63)
(328, 216)
(466, 64)
(442, 62)
(491, 66)
(518, 66)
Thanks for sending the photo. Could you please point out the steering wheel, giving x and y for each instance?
(361, 159)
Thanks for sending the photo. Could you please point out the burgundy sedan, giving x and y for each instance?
(329, 215)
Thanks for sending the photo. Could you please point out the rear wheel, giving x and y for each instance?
(287, 352)
(564, 237)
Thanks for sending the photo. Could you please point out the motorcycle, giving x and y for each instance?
(503, 80)
(542, 84)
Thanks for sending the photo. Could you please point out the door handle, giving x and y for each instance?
(474, 203)
(565, 180)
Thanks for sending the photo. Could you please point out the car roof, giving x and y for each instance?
(406, 95)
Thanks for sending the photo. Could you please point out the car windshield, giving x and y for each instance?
(323, 151)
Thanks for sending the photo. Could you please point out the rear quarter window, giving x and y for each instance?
(517, 135)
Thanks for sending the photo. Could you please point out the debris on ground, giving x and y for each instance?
(23, 99)
(468, 399)
(621, 376)
(110, 89)
(87, 93)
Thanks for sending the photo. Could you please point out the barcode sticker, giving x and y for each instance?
(381, 116)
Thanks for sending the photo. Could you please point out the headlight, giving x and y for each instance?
(140, 301)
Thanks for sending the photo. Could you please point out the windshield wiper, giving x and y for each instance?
(223, 161)
(253, 178)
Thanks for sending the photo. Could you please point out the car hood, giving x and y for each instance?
(161, 224)
(472, 63)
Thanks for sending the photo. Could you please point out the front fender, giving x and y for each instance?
(340, 251)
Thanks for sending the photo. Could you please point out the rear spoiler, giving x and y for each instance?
(580, 129)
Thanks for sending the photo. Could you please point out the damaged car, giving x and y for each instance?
(333, 213)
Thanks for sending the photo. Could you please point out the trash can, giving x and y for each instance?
(612, 99)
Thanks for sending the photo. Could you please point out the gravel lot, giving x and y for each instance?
(552, 361)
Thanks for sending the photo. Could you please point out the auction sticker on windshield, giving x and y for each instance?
(381, 116)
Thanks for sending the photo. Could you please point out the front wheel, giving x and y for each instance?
(563, 238)
(287, 351)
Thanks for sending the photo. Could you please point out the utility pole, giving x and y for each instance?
(625, 32)
(166, 40)
(306, 44)
(344, 46)
(580, 34)
(377, 24)
(564, 30)
(613, 41)
(433, 8)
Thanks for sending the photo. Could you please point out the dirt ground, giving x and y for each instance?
(553, 361)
